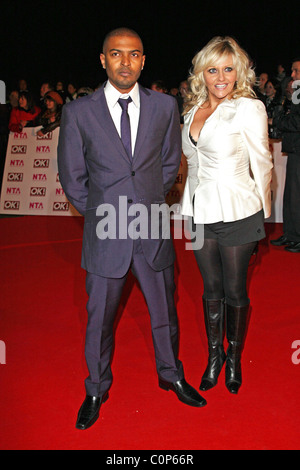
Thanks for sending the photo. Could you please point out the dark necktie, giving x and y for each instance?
(125, 125)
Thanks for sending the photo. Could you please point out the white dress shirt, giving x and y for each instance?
(229, 170)
(112, 96)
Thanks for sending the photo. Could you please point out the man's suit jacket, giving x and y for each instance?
(95, 169)
(289, 125)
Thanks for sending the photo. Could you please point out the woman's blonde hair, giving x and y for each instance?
(210, 55)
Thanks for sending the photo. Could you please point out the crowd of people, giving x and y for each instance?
(276, 93)
(25, 109)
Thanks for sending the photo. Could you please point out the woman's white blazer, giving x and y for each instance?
(230, 168)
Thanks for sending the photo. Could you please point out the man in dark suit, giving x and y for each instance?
(119, 151)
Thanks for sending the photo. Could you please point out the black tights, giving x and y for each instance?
(224, 271)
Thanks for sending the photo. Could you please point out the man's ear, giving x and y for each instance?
(143, 64)
(102, 60)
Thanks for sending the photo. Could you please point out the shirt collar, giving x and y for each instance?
(113, 95)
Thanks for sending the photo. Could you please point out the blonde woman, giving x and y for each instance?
(225, 141)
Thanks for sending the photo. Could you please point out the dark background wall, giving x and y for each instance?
(61, 40)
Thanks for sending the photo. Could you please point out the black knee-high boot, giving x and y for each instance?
(237, 319)
(214, 315)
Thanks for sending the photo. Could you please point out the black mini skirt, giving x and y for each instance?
(239, 232)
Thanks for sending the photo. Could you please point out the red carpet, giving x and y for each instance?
(43, 323)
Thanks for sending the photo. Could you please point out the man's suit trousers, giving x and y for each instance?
(291, 199)
(104, 299)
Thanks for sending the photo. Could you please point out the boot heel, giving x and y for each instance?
(163, 385)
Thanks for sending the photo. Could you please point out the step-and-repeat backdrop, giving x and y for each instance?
(31, 182)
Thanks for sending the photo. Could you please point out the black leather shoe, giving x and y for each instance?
(185, 392)
(89, 411)
(293, 248)
(281, 241)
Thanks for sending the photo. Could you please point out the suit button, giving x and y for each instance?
(130, 201)
(133, 173)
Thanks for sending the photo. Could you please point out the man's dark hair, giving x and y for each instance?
(120, 32)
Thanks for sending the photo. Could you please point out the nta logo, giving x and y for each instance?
(42, 149)
(20, 135)
(17, 163)
(36, 206)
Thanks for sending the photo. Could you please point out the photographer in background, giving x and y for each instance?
(289, 124)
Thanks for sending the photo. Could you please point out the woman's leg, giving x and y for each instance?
(210, 265)
(235, 263)
(235, 268)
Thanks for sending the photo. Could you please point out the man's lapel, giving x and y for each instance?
(103, 117)
(146, 111)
